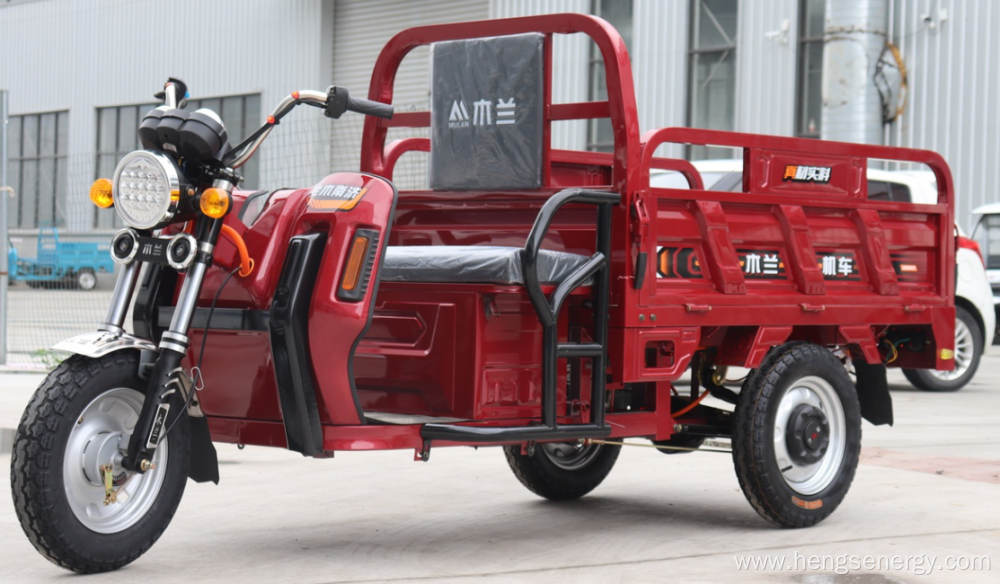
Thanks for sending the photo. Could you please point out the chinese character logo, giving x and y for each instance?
(761, 264)
(483, 111)
(505, 112)
(459, 117)
(814, 174)
(838, 266)
(336, 197)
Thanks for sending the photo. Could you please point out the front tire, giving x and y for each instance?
(797, 435)
(968, 351)
(86, 279)
(562, 471)
(78, 421)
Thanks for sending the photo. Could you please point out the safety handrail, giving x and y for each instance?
(547, 313)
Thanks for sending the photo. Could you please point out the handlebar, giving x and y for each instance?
(335, 101)
(369, 108)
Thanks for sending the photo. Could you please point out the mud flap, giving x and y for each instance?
(204, 465)
(873, 393)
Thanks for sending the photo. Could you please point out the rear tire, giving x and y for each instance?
(797, 435)
(968, 352)
(77, 421)
(562, 471)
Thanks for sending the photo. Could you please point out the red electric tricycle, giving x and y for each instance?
(543, 300)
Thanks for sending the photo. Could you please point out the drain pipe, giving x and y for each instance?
(853, 41)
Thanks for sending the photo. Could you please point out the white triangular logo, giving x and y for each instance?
(458, 112)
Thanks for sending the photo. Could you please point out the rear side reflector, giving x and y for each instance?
(358, 267)
(355, 261)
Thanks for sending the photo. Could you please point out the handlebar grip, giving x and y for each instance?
(369, 108)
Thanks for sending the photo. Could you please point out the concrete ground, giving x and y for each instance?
(927, 488)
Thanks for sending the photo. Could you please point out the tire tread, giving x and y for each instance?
(31, 464)
(750, 436)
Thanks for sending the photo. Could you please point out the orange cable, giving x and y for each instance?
(690, 406)
(246, 262)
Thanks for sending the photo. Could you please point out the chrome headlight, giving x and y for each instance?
(146, 189)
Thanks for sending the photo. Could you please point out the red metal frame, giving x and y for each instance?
(436, 350)
(620, 106)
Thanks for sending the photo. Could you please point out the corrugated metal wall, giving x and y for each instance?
(954, 81)
(78, 55)
(765, 89)
(659, 64)
(83, 54)
(361, 29)
(765, 99)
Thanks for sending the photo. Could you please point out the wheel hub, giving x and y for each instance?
(102, 430)
(104, 448)
(570, 455)
(807, 435)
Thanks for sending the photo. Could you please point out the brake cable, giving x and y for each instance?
(201, 352)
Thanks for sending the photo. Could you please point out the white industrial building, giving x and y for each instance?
(81, 73)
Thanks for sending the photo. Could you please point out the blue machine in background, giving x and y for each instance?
(57, 262)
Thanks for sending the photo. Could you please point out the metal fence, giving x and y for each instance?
(50, 296)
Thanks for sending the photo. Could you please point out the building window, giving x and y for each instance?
(712, 64)
(117, 135)
(37, 164)
(600, 134)
(809, 97)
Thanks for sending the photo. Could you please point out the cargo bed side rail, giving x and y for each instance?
(841, 169)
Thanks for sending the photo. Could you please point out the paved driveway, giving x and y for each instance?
(930, 486)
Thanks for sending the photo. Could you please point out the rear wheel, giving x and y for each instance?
(86, 279)
(562, 471)
(71, 437)
(968, 351)
(797, 435)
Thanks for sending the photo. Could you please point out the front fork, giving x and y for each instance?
(153, 419)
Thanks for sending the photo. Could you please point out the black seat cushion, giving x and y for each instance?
(472, 264)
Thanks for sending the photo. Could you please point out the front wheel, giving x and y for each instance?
(968, 351)
(73, 434)
(797, 435)
(562, 471)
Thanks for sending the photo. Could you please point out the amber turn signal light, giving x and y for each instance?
(355, 261)
(214, 203)
(100, 193)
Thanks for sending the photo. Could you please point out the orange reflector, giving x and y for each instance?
(100, 193)
(214, 203)
(355, 261)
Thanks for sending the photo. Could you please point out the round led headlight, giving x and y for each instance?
(146, 189)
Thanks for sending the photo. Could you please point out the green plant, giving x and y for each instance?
(48, 357)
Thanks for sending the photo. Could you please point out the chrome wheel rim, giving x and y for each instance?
(570, 455)
(100, 437)
(810, 478)
(86, 280)
(965, 348)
